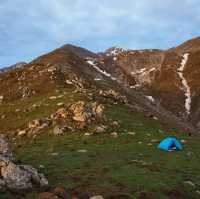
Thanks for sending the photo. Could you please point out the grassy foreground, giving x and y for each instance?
(128, 166)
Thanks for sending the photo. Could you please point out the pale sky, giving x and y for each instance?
(30, 28)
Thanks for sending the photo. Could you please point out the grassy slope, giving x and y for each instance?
(111, 165)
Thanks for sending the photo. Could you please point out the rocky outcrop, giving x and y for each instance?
(80, 112)
(14, 177)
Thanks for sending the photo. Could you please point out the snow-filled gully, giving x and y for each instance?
(92, 63)
(186, 87)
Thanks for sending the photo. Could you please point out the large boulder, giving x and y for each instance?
(17, 177)
(82, 112)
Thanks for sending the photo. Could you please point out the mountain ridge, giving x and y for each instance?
(150, 72)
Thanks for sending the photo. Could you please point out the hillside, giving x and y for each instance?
(91, 122)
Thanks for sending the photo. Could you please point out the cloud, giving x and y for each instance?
(29, 28)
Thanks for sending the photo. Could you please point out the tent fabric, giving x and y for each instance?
(170, 143)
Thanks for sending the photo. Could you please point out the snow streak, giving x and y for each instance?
(186, 87)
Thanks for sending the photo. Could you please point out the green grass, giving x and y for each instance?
(117, 165)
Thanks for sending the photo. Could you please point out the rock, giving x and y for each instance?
(100, 129)
(41, 166)
(97, 197)
(114, 135)
(61, 130)
(114, 95)
(26, 92)
(22, 133)
(188, 182)
(115, 124)
(17, 177)
(35, 126)
(53, 97)
(4, 148)
(34, 123)
(155, 141)
(60, 104)
(3, 116)
(183, 141)
(47, 195)
(86, 113)
(58, 130)
(82, 151)
(131, 133)
(97, 110)
(87, 134)
(198, 192)
(61, 192)
(54, 154)
(1, 98)
(61, 113)
(51, 69)
(69, 82)
(2, 184)
(78, 110)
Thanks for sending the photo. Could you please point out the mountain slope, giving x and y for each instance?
(92, 122)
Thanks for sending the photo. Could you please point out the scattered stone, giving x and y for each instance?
(114, 134)
(87, 134)
(41, 166)
(150, 144)
(22, 133)
(82, 151)
(52, 97)
(60, 104)
(1, 98)
(155, 141)
(188, 182)
(100, 129)
(160, 131)
(34, 123)
(97, 197)
(51, 69)
(58, 130)
(26, 92)
(47, 195)
(3, 116)
(139, 142)
(183, 141)
(115, 124)
(131, 133)
(60, 192)
(54, 154)
(60, 113)
(198, 192)
(189, 153)
(114, 95)
(69, 82)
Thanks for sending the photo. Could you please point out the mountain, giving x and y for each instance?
(17, 65)
(165, 83)
(91, 123)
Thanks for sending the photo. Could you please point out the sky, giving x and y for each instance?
(30, 28)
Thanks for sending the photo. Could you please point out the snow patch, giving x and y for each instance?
(94, 65)
(97, 79)
(186, 87)
(135, 86)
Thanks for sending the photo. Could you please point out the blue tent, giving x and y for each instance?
(170, 143)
